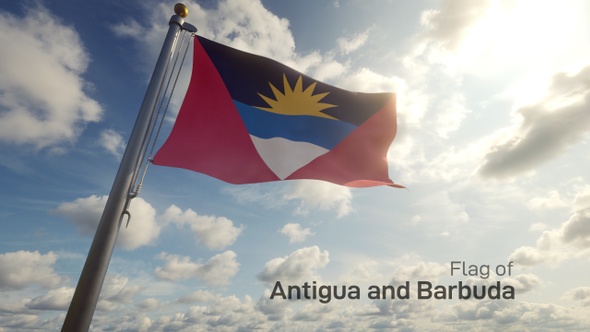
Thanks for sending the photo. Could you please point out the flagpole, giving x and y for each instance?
(81, 310)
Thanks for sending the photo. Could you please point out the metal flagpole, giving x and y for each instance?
(87, 292)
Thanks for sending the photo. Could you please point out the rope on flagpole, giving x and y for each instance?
(162, 111)
(133, 191)
(163, 94)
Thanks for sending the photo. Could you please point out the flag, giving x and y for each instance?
(249, 119)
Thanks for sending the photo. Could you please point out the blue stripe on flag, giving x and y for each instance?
(323, 132)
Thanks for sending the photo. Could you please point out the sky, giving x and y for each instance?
(493, 101)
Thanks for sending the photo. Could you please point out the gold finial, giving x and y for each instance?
(181, 10)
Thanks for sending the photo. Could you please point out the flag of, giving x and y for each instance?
(249, 119)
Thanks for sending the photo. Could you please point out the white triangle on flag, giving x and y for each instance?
(283, 156)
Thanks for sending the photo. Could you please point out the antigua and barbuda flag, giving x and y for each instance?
(250, 119)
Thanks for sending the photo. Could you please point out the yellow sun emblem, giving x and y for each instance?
(296, 101)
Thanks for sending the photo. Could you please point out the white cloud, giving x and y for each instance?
(197, 296)
(547, 129)
(21, 322)
(366, 80)
(149, 304)
(223, 314)
(437, 206)
(113, 142)
(269, 196)
(43, 99)
(117, 290)
(576, 231)
(450, 25)
(247, 25)
(55, 299)
(326, 70)
(309, 194)
(522, 283)
(295, 232)
(320, 195)
(243, 24)
(431, 98)
(582, 198)
(550, 201)
(409, 269)
(579, 294)
(529, 256)
(21, 269)
(538, 227)
(349, 45)
(139, 323)
(216, 233)
(218, 270)
(272, 309)
(143, 228)
(300, 266)
(368, 271)
(453, 112)
(570, 240)
(85, 214)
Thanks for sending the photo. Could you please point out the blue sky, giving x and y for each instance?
(493, 114)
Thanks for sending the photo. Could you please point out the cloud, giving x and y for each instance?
(551, 200)
(273, 310)
(55, 299)
(85, 214)
(416, 271)
(215, 233)
(149, 304)
(43, 100)
(295, 232)
(582, 198)
(450, 25)
(547, 130)
(320, 195)
(218, 270)
(576, 231)
(579, 294)
(522, 283)
(538, 227)
(309, 194)
(436, 206)
(366, 80)
(495, 315)
(300, 266)
(117, 290)
(251, 28)
(223, 314)
(197, 296)
(113, 142)
(570, 240)
(431, 98)
(349, 45)
(21, 322)
(243, 24)
(21, 269)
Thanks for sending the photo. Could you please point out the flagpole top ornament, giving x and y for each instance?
(181, 10)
